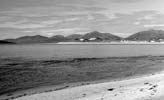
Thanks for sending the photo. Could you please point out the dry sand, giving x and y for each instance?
(144, 88)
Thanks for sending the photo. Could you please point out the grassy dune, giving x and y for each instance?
(18, 74)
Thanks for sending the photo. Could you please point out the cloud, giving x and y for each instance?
(14, 33)
(100, 17)
(137, 23)
(66, 23)
(126, 1)
(20, 26)
(154, 25)
(50, 22)
(51, 10)
(147, 17)
(4, 18)
(123, 34)
(26, 24)
(128, 22)
(63, 31)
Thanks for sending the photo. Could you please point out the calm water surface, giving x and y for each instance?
(77, 51)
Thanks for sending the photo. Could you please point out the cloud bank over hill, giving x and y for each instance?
(65, 17)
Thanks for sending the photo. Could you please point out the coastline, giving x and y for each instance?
(115, 43)
(100, 89)
(138, 66)
(53, 88)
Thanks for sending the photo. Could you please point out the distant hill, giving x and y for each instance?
(101, 36)
(147, 35)
(29, 39)
(60, 38)
(74, 37)
(56, 38)
(95, 36)
(6, 42)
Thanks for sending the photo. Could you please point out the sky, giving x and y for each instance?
(65, 17)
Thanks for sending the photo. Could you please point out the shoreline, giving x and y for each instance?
(98, 84)
(113, 43)
(53, 88)
(142, 62)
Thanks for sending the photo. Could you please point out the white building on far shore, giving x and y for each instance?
(92, 39)
(81, 39)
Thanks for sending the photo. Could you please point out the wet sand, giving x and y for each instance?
(24, 78)
(142, 88)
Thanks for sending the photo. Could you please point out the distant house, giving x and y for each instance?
(161, 40)
(84, 40)
(92, 39)
(152, 40)
(81, 39)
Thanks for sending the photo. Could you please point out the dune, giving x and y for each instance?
(142, 88)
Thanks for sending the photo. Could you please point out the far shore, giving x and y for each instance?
(94, 43)
(114, 43)
(25, 77)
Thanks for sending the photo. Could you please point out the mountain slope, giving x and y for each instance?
(29, 39)
(101, 36)
(147, 35)
(60, 38)
(56, 38)
(74, 37)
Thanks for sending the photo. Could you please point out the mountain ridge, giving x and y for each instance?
(101, 36)
(147, 35)
(95, 36)
(60, 38)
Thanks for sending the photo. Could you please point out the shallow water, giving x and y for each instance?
(78, 51)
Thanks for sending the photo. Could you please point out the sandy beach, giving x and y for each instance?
(128, 78)
(81, 49)
(144, 88)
